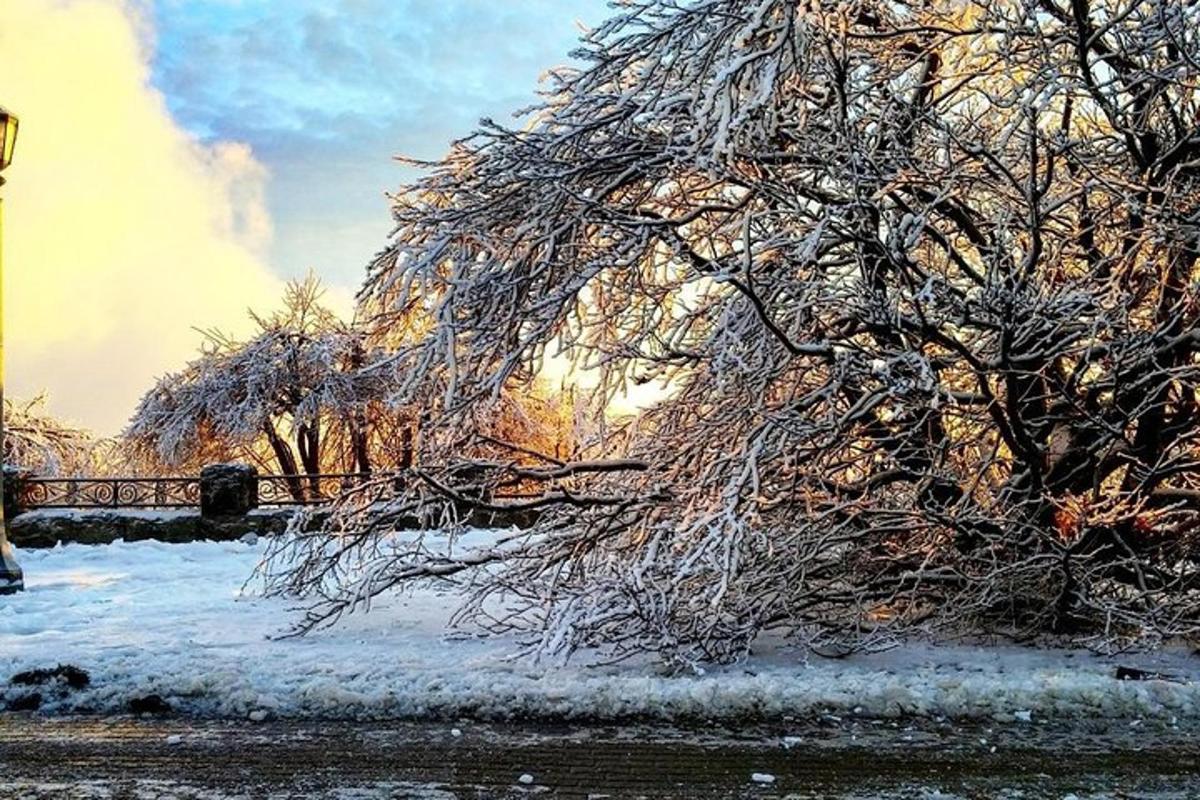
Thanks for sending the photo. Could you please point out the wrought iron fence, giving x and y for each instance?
(108, 493)
(172, 492)
(292, 490)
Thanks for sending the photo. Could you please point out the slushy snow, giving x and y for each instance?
(171, 619)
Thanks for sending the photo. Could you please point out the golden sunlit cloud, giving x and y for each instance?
(122, 231)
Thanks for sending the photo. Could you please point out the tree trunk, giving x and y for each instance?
(308, 439)
(287, 462)
(360, 457)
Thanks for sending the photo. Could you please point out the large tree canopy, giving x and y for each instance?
(921, 279)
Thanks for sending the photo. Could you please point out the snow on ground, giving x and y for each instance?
(171, 619)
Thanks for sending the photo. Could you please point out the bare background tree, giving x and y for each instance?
(921, 279)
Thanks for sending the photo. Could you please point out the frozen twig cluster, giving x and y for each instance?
(921, 280)
(36, 441)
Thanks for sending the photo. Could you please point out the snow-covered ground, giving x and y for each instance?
(171, 619)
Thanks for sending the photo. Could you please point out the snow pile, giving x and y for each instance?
(151, 618)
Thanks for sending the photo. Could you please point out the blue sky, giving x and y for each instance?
(326, 93)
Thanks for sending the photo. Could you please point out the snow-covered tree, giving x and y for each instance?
(37, 441)
(293, 399)
(921, 279)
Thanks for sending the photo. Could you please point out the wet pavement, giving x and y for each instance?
(118, 758)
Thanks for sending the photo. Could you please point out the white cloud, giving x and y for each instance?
(122, 230)
(328, 91)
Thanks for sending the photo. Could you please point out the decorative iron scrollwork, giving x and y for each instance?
(307, 490)
(174, 492)
(109, 493)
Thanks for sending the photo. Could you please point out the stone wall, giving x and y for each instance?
(228, 501)
(48, 527)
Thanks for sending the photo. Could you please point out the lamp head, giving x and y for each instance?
(8, 137)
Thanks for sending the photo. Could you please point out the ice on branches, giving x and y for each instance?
(295, 398)
(920, 279)
(36, 441)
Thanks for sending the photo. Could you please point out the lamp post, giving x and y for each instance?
(12, 580)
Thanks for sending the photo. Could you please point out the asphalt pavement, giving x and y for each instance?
(147, 759)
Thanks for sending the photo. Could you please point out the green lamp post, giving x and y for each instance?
(12, 580)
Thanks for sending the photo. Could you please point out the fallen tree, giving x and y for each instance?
(920, 280)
